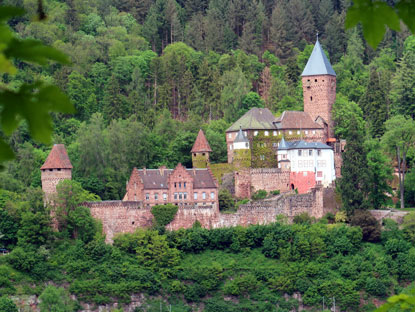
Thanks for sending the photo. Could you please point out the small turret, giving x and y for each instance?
(200, 151)
(241, 151)
(56, 168)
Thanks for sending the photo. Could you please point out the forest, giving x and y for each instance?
(144, 77)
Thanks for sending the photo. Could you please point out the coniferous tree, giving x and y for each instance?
(374, 105)
(353, 183)
(278, 33)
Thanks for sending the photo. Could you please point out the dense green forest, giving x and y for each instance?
(146, 75)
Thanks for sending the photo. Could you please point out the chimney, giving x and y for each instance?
(161, 169)
(144, 170)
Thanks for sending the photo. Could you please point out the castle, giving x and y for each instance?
(296, 151)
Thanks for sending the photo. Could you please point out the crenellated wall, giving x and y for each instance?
(125, 216)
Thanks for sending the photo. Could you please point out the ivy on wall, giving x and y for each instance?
(164, 214)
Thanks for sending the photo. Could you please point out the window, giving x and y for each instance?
(262, 157)
(314, 131)
(311, 98)
(164, 196)
(147, 196)
(180, 184)
(230, 147)
(319, 174)
(246, 145)
(300, 164)
(230, 135)
(156, 196)
(310, 152)
(175, 196)
(266, 133)
(175, 185)
(318, 152)
(290, 132)
(195, 195)
(245, 133)
(180, 195)
(298, 132)
(184, 184)
(274, 133)
(305, 173)
(299, 152)
(315, 80)
(184, 195)
(306, 132)
(279, 132)
(255, 133)
(212, 195)
(321, 163)
(203, 195)
(194, 154)
(274, 145)
(284, 156)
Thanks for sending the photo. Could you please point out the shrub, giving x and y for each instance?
(303, 218)
(340, 217)
(275, 192)
(370, 226)
(375, 287)
(55, 299)
(241, 285)
(226, 201)
(7, 305)
(164, 214)
(260, 194)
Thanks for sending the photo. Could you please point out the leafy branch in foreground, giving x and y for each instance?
(375, 15)
(31, 102)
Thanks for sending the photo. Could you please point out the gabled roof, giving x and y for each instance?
(318, 64)
(296, 120)
(155, 179)
(201, 143)
(57, 159)
(303, 145)
(255, 119)
(240, 137)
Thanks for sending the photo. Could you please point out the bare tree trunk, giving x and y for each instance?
(403, 178)
(398, 158)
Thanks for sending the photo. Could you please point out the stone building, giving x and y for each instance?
(179, 186)
(56, 168)
(264, 131)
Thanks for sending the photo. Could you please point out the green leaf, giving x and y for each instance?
(7, 12)
(406, 12)
(6, 152)
(33, 102)
(34, 51)
(6, 66)
(373, 16)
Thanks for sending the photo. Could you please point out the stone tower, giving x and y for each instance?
(56, 168)
(200, 151)
(319, 87)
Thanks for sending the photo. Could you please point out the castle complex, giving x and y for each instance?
(296, 151)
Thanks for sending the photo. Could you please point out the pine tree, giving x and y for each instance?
(353, 183)
(114, 104)
(374, 105)
(278, 34)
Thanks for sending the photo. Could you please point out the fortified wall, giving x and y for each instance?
(127, 216)
(248, 181)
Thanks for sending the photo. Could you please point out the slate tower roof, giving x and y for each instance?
(318, 64)
(201, 143)
(57, 159)
(240, 137)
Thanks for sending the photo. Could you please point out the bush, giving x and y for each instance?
(164, 214)
(375, 287)
(370, 226)
(260, 194)
(7, 305)
(241, 285)
(303, 218)
(226, 201)
(275, 192)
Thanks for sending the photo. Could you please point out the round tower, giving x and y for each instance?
(56, 168)
(319, 87)
(200, 151)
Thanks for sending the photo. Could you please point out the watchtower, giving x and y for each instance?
(319, 87)
(56, 168)
(200, 151)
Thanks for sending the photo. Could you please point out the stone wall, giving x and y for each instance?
(50, 179)
(124, 216)
(270, 179)
(380, 215)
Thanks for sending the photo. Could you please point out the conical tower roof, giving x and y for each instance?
(318, 64)
(283, 145)
(201, 144)
(240, 137)
(58, 158)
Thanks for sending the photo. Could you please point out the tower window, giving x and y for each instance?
(315, 80)
(311, 98)
(194, 154)
(203, 154)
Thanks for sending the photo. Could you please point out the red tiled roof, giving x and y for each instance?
(296, 120)
(201, 144)
(57, 159)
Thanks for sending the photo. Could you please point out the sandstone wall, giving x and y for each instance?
(380, 215)
(125, 216)
(269, 179)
